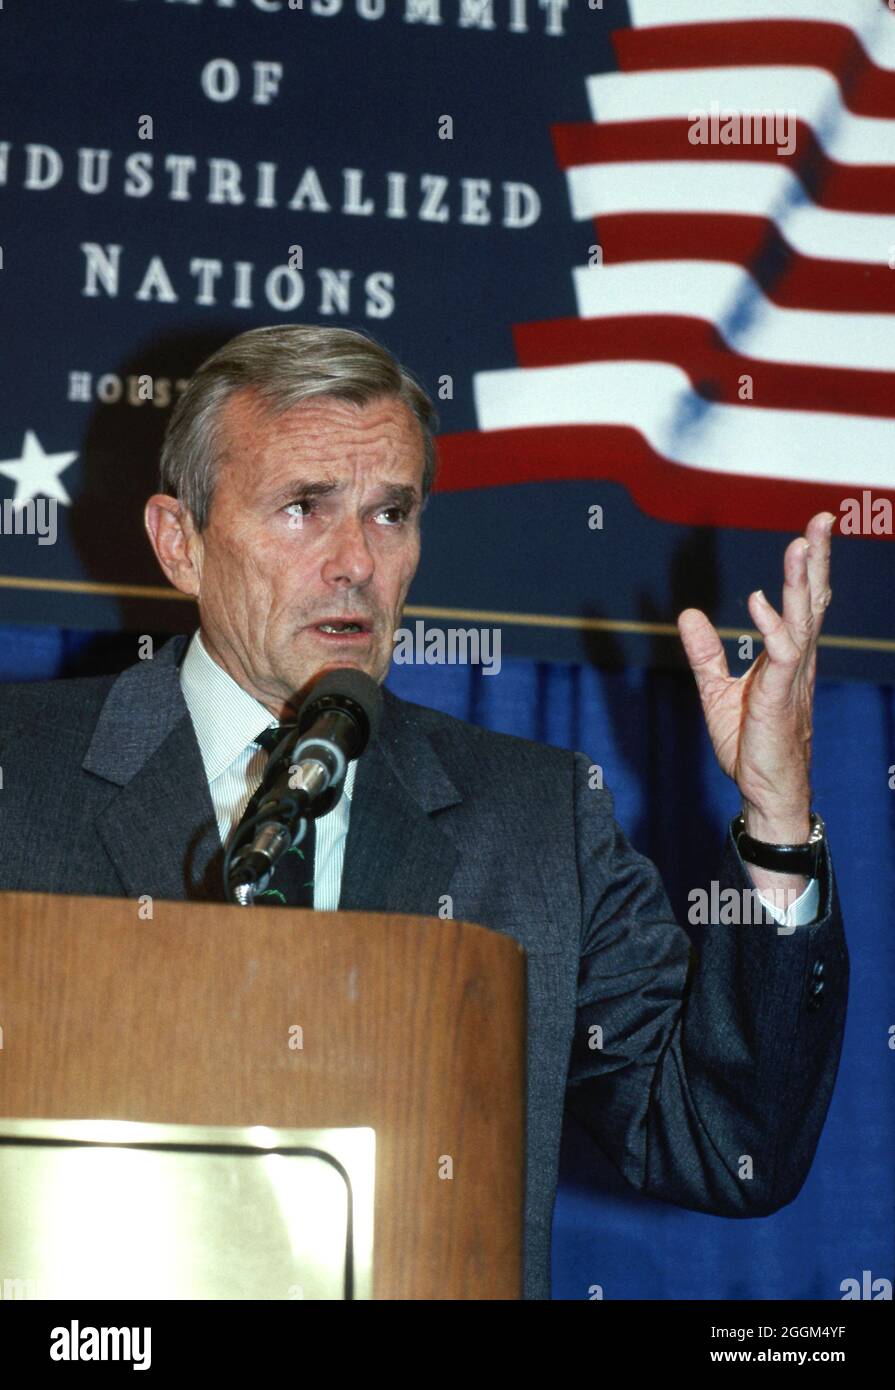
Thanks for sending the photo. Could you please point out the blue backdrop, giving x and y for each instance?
(645, 729)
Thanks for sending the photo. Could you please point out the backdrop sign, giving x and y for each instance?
(642, 257)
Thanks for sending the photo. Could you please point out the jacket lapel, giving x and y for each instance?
(397, 859)
(160, 829)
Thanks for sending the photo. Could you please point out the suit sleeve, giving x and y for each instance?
(705, 1077)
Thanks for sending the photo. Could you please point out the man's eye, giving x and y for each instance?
(301, 502)
(398, 513)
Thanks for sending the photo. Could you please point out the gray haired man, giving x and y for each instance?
(294, 472)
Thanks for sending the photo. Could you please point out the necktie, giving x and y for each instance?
(292, 881)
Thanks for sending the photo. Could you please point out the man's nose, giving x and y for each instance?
(349, 559)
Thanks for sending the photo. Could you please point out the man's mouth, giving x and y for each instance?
(343, 627)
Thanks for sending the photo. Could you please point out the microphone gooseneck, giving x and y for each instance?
(304, 777)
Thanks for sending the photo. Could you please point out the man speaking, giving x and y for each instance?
(294, 472)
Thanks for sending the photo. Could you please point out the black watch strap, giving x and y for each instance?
(785, 859)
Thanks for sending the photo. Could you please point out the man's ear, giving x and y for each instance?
(177, 544)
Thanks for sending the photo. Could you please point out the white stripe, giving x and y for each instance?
(811, 94)
(770, 190)
(868, 19)
(729, 297)
(658, 400)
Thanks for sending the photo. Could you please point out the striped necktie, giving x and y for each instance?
(292, 881)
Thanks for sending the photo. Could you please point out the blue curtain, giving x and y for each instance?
(645, 730)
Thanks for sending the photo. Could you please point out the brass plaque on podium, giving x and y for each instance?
(107, 1209)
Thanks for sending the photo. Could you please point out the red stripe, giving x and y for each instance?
(788, 278)
(615, 453)
(839, 187)
(696, 347)
(866, 89)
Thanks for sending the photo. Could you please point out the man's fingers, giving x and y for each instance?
(806, 579)
(703, 647)
(817, 534)
(783, 650)
(797, 611)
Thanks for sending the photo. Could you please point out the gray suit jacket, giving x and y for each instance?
(703, 1060)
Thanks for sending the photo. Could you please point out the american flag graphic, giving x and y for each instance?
(732, 361)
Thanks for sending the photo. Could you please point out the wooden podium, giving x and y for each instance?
(212, 1015)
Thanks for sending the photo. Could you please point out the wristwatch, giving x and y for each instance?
(803, 859)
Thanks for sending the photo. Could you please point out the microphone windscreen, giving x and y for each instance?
(348, 685)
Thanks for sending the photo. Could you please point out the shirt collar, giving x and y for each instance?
(226, 717)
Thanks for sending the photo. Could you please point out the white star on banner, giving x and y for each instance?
(37, 472)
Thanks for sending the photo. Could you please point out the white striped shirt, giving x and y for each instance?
(227, 720)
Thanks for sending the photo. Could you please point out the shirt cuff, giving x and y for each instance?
(801, 912)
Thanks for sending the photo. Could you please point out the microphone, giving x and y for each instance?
(304, 777)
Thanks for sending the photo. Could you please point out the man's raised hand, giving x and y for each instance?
(760, 723)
